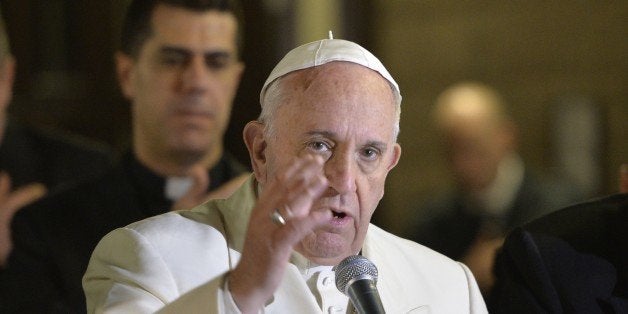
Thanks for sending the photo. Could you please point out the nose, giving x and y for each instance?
(340, 170)
(195, 76)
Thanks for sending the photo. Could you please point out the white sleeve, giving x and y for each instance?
(229, 302)
(476, 302)
(198, 300)
(126, 274)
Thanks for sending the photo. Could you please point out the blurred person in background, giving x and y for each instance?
(179, 66)
(34, 161)
(574, 260)
(494, 189)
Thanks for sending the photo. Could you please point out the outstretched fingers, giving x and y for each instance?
(269, 241)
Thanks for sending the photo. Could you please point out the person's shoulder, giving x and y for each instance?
(80, 198)
(417, 270)
(103, 185)
(580, 217)
(575, 251)
(163, 222)
(67, 156)
(408, 250)
(184, 227)
(597, 228)
(174, 219)
(66, 143)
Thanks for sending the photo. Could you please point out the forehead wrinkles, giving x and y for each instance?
(351, 92)
(345, 79)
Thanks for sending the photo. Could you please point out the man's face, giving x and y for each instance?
(474, 152)
(475, 137)
(182, 83)
(344, 113)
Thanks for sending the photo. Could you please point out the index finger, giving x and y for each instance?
(296, 187)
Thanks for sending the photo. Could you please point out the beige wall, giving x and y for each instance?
(534, 52)
(314, 20)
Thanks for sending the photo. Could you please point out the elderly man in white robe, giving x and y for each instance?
(320, 150)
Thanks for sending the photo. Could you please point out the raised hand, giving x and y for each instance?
(268, 245)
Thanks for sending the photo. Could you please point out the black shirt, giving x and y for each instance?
(30, 155)
(54, 238)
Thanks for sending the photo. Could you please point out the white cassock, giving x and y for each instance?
(177, 263)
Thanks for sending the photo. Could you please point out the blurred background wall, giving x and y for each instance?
(562, 65)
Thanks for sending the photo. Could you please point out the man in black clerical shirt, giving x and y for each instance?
(179, 67)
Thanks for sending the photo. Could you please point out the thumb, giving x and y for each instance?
(20, 198)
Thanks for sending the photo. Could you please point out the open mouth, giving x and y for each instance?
(340, 219)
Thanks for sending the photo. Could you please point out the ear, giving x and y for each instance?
(7, 74)
(395, 156)
(256, 144)
(124, 71)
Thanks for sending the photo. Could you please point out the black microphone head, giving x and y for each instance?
(352, 268)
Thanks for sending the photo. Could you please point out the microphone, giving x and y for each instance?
(356, 277)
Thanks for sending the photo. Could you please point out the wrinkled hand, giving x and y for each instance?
(198, 192)
(10, 203)
(267, 246)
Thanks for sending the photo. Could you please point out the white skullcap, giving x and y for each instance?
(327, 50)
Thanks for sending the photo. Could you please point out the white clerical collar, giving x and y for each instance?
(501, 194)
(176, 187)
(320, 279)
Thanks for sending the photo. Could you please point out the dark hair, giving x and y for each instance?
(137, 23)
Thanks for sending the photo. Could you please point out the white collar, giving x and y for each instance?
(176, 187)
(499, 196)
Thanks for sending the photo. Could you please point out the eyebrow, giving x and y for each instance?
(379, 144)
(183, 51)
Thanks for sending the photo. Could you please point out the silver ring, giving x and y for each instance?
(277, 219)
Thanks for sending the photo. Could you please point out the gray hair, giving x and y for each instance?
(276, 95)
